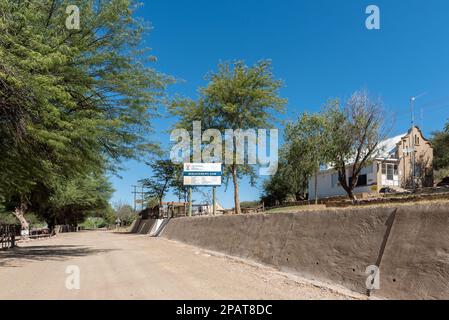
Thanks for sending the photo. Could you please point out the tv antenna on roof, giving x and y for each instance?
(412, 106)
(412, 138)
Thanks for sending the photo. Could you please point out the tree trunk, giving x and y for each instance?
(349, 188)
(236, 190)
(19, 213)
(351, 195)
(350, 191)
(51, 227)
(316, 186)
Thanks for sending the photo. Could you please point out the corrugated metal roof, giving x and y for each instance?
(388, 147)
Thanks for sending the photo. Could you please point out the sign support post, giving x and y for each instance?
(202, 175)
(190, 201)
(214, 201)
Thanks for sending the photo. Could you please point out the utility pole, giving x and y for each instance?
(190, 201)
(138, 195)
(412, 138)
(135, 197)
(412, 142)
(142, 198)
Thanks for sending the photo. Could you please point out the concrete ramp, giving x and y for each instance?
(142, 226)
(158, 227)
(134, 226)
(409, 244)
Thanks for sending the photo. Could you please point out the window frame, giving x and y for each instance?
(390, 170)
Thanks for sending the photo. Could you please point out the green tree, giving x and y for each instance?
(72, 102)
(277, 189)
(290, 182)
(440, 142)
(125, 213)
(307, 148)
(157, 186)
(177, 183)
(353, 135)
(71, 201)
(236, 97)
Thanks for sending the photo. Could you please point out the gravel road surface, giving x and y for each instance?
(127, 266)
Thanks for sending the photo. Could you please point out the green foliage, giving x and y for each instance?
(177, 183)
(71, 201)
(306, 148)
(92, 223)
(353, 134)
(346, 138)
(236, 97)
(439, 175)
(34, 220)
(126, 214)
(164, 173)
(440, 143)
(72, 102)
(249, 204)
(288, 183)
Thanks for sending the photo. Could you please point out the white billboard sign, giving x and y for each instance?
(202, 174)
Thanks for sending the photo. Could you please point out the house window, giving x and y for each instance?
(390, 170)
(334, 180)
(362, 181)
(416, 140)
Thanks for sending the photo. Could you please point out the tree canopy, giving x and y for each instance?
(163, 177)
(73, 103)
(440, 142)
(343, 138)
(354, 133)
(236, 97)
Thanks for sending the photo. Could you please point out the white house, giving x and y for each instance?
(390, 167)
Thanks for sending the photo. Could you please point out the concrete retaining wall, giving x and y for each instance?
(410, 244)
(142, 226)
(152, 227)
(134, 226)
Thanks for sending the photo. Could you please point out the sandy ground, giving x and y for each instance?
(125, 266)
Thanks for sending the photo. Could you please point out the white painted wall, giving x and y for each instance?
(326, 187)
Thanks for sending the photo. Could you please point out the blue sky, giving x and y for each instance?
(320, 48)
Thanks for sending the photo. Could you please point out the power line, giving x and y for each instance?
(137, 194)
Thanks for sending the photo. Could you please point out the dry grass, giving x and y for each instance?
(304, 208)
(311, 207)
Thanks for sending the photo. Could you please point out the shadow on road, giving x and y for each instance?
(10, 258)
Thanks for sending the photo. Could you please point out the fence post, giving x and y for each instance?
(13, 239)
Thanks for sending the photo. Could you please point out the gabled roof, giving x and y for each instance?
(388, 147)
(385, 150)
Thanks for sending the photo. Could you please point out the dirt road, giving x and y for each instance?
(125, 266)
